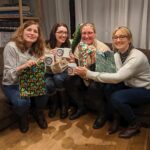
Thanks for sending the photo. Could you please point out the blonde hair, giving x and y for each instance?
(126, 31)
(88, 24)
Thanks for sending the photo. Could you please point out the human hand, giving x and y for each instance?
(53, 51)
(71, 58)
(81, 71)
(30, 63)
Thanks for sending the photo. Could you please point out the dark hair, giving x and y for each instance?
(52, 38)
(37, 47)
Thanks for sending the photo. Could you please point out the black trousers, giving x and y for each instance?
(86, 97)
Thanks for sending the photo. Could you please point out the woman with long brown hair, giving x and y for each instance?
(24, 50)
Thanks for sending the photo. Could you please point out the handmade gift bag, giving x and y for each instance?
(105, 62)
(31, 80)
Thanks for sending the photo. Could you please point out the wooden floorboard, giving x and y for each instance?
(70, 135)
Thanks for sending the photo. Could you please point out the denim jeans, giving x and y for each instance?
(55, 81)
(123, 98)
(12, 92)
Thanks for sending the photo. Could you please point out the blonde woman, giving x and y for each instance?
(129, 86)
(79, 87)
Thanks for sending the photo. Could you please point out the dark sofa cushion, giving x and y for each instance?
(1, 62)
(6, 115)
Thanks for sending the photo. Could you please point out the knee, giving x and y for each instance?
(23, 103)
(50, 86)
(116, 99)
(58, 81)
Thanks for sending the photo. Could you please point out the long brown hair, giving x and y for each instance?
(37, 48)
(52, 38)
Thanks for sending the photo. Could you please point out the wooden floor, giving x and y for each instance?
(70, 135)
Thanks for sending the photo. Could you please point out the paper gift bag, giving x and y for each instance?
(32, 82)
(60, 66)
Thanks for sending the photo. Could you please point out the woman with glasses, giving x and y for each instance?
(129, 86)
(82, 91)
(56, 74)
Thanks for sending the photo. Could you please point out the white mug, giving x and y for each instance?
(71, 67)
(64, 52)
(49, 59)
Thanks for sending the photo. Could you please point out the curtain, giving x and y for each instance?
(105, 14)
(51, 12)
(109, 14)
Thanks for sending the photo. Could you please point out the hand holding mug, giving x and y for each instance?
(81, 71)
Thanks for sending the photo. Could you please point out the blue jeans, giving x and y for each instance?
(13, 95)
(123, 98)
(55, 81)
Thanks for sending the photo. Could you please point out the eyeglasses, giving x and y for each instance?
(88, 33)
(121, 37)
(62, 32)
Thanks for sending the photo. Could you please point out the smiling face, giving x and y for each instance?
(88, 34)
(61, 35)
(121, 39)
(30, 34)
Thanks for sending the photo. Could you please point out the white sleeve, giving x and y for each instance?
(124, 73)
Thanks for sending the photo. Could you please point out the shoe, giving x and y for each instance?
(64, 104)
(53, 105)
(114, 127)
(63, 112)
(52, 113)
(77, 114)
(40, 119)
(99, 122)
(129, 132)
(23, 124)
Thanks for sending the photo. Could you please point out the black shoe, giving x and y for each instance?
(53, 105)
(52, 112)
(23, 124)
(63, 112)
(42, 122)
(99, 122)
(130, 131)
(114, 127)
(77, 114)
(40, 119)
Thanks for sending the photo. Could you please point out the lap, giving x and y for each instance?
(135, 96)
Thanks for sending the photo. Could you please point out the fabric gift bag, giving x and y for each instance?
(31, 81)
(105, 62)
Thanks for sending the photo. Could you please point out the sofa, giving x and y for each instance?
(7, 117)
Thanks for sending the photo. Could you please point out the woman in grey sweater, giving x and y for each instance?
(25, 50)
(130, 85)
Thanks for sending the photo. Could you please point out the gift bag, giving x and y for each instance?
(86, 55)
(105, 62)
(59, 66)
(32, 82)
